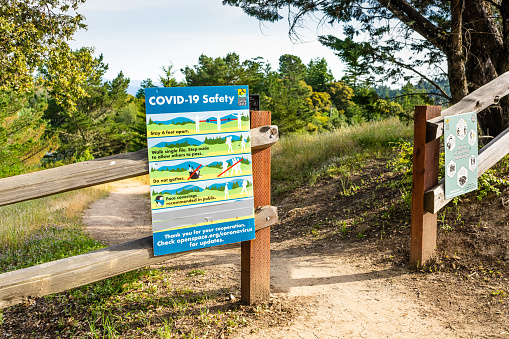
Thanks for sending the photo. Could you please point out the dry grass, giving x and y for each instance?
(18, 221)
(300, 158)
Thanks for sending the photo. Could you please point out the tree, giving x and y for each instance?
(320, 104)
(147, 83)
(289, 102)
(34, 35)
(291, 68)
(340, 94)
(225, 71)
(470, 36)
(102, 122)
(23, 141)
(168, 78)
(318, 75)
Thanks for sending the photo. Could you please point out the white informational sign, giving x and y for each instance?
(461, 154)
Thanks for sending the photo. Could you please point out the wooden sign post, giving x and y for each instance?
(424, 176)
(255, 260)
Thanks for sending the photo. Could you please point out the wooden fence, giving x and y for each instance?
(64, 274)
(428, 194)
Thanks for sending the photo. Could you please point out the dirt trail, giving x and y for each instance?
(121, 217)
(345, 296)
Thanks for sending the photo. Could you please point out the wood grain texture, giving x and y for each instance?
(424, 176)
(264, 137)
(478, 100)
(489, 155)
(61, 275)
(255, 254)
(98, 171)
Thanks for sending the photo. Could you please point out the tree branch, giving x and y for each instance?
(401, 64)
(415, 94)
(498, 6)
(415, 20)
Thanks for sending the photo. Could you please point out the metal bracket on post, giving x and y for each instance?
(424, 176)
(255, 254)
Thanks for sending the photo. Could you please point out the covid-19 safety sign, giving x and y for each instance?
(199, 151)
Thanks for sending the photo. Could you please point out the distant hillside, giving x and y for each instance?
(134, 86)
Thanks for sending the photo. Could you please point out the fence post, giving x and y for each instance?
(255, 254)
(424, 176)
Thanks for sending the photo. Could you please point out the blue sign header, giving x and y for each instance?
(196, 99)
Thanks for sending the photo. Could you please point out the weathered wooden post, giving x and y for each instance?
(255, 254)
(425, 176)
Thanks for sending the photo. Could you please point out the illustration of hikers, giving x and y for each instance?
(239, 120)
(218, 120)
(234, 167)
(243, 144)
(238, 166)
(244, 187)
(197, 122)
(225, 167)
(226, 195)
(229, 143)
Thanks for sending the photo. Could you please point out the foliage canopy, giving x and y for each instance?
(470, 36)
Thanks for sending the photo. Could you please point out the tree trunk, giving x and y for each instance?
(456, 57)
(485, 60)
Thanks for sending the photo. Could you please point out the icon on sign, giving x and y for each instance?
(461, 129)
(159, 201)
(451, 142)
(462, 177)
(472, 138)
(472, 163)
(451, 169)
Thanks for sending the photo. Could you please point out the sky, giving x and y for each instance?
(139, 37)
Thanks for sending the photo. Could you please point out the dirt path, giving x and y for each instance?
(345, 295)
(343, 298)
(121, 217)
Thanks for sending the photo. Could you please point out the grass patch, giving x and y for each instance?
(47, 229)
(302, 158)
(49, 243)
(18, 222)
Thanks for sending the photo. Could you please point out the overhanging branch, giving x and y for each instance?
(415, 20)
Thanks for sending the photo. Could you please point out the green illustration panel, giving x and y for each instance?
(198, 146)
(208, 191)
(168, 172)
(173, 124)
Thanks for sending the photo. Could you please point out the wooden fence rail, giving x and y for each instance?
(489, 155)
(428, 195)
(61, 275)
(98, 171)
(84, 269)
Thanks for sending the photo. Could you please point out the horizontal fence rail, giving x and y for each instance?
(64, 274)
(489, 155)
(98, 171)
(480, 99)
